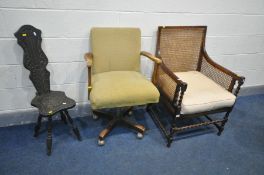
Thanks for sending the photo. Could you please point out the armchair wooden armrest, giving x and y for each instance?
(220, 74)
(89, 59)
(150, 56)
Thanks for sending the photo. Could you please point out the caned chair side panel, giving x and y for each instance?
(216, 75)
(165, 83)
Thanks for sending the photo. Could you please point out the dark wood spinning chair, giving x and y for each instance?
(190, 82)
(48, 102)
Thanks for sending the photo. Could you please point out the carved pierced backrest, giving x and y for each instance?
(180, 46)
(35, 60)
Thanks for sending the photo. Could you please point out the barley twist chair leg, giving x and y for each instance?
(170, 138)
(174, 120)
(38, 125)
(221, 128)
(49, 136)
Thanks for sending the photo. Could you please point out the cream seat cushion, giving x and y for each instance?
(203, 94)
(121, 88)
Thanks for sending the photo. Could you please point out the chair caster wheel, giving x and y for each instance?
(101, 142)
(95, 117)
(130, 113)
(140, 135)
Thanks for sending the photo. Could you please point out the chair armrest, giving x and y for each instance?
(150, 56)
(220, 74)
(170, 86)
(89, 59)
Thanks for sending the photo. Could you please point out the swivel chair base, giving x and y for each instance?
(119, 119)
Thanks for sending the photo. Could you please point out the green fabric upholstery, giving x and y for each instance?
(115, 49)
(121, 88)
(116, 81)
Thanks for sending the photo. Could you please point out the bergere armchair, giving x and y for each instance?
(48, 102)
(114, 78)
(190, 82)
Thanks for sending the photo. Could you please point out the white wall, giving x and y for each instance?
(235, 37)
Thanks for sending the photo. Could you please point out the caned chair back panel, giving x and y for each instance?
(115, 49)
(35, 60)
(180, 46)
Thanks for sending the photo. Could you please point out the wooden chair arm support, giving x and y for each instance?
(89, 59)
(150, 56)
(239, 84)
(171, 74)
(235, 77)
(220, 68)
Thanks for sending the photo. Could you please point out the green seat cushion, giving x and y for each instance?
(121, 88)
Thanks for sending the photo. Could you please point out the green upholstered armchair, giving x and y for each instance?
(114, 78)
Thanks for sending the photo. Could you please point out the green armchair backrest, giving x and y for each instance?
(115, 49)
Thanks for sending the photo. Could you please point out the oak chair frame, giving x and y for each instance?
(173, 102)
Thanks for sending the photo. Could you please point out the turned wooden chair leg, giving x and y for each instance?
(170, 138)
(221, 128)
(49, 136)
(74, 128)
(38, 125)
(63, 118)
(172, 131)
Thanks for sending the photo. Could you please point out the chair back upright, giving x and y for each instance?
(35, 60)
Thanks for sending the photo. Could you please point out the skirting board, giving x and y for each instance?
(25, 116)
(251, 90)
